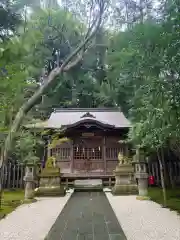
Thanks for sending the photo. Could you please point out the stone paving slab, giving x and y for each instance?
(87, 216)
(88, 184)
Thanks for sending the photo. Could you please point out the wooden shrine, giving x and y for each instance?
(95, 138)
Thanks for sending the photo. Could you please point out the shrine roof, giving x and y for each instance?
(105, 116)
(69, 117)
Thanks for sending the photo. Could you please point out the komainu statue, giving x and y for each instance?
(123, 159)
(124, 177)
(50, 180)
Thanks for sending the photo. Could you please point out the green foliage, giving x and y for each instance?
(58, 141)
(9, 19)
(14, 87)
(144, 75)
(58, 30)
(136, 69)
(27, 146)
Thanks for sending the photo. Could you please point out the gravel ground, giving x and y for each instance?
(145, 220)
(32, 221)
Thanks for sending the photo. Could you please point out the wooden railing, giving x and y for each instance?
(13, 173)
(12, 176)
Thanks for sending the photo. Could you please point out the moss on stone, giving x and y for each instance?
(50, 191)
(125, 190)
(28, 201)
(143, 198)
(49, 174)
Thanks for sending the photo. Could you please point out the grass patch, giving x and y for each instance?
(10, 200)
(173, 197)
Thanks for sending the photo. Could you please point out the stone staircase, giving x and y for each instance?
(88, 184)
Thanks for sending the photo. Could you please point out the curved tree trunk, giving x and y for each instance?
(69, 63)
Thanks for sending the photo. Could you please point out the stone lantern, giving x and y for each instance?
(141, 173)
(29, 181)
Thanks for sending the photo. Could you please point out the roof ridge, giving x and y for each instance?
(87, 109)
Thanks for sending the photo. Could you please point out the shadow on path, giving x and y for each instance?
(87, 216)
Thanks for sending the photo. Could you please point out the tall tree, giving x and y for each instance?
(127, 13)
(69, 62)
(9, 19)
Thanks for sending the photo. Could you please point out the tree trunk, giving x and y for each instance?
(171, 179)
(1, 187)
(166, 171)
(160, 157)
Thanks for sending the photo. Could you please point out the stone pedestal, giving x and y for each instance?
(50, 184)
(29, 183)
(142, 184)
(124, 180)
(141, 174)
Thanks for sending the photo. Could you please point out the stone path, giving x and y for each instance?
(87, 216)
(145, 220)
(32, 221)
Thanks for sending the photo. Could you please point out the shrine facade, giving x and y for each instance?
(95, 137)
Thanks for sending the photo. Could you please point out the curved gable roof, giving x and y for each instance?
(67, 117)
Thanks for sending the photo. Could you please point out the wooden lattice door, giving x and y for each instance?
(88, 155)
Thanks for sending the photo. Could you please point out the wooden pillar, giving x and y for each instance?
(104, 154)
(45, 152)
(126, 150)
(71, 158)
(48, 149)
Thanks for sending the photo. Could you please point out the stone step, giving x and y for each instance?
(88, 184)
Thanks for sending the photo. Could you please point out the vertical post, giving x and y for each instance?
(22, 175)
(141, 174)
(29, 182)
(156, 174)
(14, 176)
(17, 179)
(9, 175)
(71, 158)
(3, 176)
(44, 154)
(153, 169)
(104, 154)
(126, 150)
(48, 149)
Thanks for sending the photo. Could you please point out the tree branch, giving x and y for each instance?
(66, 66)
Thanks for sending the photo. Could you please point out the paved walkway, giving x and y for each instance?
(145, 220)
(87, 216)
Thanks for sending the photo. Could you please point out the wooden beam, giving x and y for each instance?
(72, 157)
(104, 154)
(48, 149)
(126, 150)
